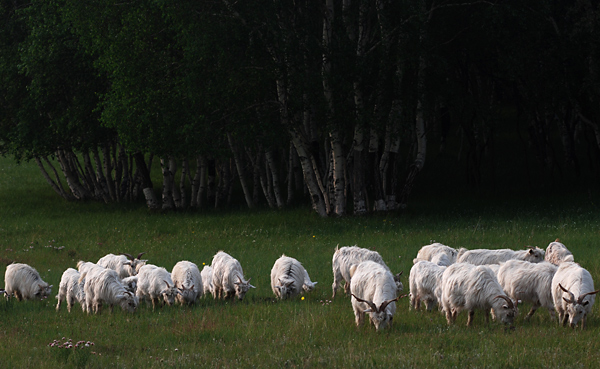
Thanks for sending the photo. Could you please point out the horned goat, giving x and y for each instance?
(573, 293)
(106, 287)
(287, 277)
(156, 284)
(556, 253)
(528, 282)
(345, 257)
(125, 264)
(187, 278)
(25, 283)
(469, 287)
(228, 277)
(486, 256)
(374, 291)
(425, 281)
(70, 289)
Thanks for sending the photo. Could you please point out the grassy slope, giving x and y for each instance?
(258, 331)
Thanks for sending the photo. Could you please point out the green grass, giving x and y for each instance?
(39, 228)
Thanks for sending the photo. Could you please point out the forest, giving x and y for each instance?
(346, 105)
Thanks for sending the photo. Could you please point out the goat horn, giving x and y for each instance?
(557, 240)
(372, 305)
(386, 303)
(508, 301)
(580, 299)
(567, 291)
(128, 255)
(140, 255)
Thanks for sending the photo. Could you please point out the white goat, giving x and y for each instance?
(573, 293)
(25, 283)
(86, 267)
(70, 289)
(425, 281)
(374, 291)
(206, 275)
(528, 282)
(485, 256)
(156, 283)
(130, 283)
(106, 287)
(308, 284)
(469, 287)
(345, 257)
(441, 259)
(556, 253)
(287, 277)
(428, 252)
(228, 277)
(187, 278)
(125, 264)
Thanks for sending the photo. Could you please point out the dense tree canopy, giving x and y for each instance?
(341, 102)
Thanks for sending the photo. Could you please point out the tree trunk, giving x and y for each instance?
(310, 179)
(269, 157)
(56, 186)
(168, 202)
(240, 170)
(145, 181)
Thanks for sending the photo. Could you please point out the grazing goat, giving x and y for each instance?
(25, 283)
(308, 285)
(228, 277)
(425, 281)
(556, 253)
(469, 287)
(428, 252)
(485, 256)
(345, 257)
(206, 275)
(528, 282)
(125, 264)
(70, 289)
(156, 283)
(287, 277)
(187, 278)
(374, 290)
(130, 283)
(573, 293)
(106, 287)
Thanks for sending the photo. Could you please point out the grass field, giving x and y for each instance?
(39, 228)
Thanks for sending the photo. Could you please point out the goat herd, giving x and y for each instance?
(455, 280)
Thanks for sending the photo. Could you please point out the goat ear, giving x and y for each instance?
(251, 286)
(128, 262)
(369, 310)
(568, 301)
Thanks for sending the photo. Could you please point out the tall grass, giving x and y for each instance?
(39, 228)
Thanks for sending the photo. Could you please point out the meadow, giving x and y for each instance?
(39, 228)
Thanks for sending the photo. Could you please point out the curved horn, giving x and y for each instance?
(128, 256)
(140, 255)
(580, 299)
(567, 291)
(372, 305)
(557, 240)
(508, 301)
(167, 283)
(386, 303)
